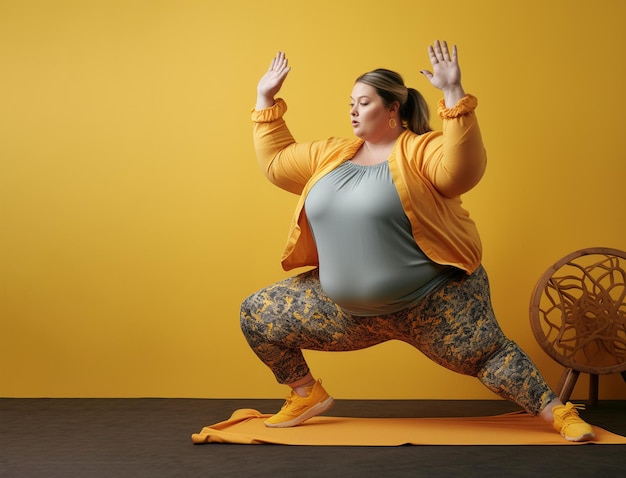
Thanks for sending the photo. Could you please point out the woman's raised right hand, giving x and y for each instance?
(271, 82)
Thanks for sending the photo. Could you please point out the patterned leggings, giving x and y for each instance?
(454, 326)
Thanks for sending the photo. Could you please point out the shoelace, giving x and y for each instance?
(571, 412)
(290, 399)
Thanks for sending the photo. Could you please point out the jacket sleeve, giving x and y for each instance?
(287, 164)
(456, 164)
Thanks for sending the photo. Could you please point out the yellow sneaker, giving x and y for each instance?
(298, 409)
(570, 425)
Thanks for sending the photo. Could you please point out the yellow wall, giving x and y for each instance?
(134, 219)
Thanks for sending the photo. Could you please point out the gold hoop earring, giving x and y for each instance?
(392, 123)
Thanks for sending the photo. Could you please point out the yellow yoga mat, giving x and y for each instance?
(245, 426)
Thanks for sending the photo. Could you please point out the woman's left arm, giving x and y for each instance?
(459, 163)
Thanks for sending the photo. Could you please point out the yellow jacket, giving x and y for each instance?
(430, 172)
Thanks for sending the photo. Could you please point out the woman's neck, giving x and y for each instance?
(371, 153)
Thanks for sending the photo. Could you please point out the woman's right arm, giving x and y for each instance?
(284, 162)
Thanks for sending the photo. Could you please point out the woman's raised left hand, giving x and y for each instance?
(446, 74)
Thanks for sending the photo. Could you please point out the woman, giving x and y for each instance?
(395, 255)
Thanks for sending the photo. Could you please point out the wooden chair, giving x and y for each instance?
(578, 316)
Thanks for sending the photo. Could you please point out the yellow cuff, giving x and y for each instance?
(467, 104)
(273, 113)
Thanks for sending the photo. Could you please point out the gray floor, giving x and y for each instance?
(118, 438)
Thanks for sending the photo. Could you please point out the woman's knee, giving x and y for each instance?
(249, 316)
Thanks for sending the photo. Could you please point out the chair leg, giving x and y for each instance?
(566, 384)
(593, 389)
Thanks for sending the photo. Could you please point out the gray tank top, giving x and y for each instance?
(369, 262)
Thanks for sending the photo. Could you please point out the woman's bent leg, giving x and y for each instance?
(295, 314)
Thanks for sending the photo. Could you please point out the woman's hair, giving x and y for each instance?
(390, 86)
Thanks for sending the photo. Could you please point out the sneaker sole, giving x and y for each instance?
(583, 437)
(321, 407)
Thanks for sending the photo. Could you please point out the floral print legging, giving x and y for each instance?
(454, 326)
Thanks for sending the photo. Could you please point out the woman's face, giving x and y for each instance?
(370, 117)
